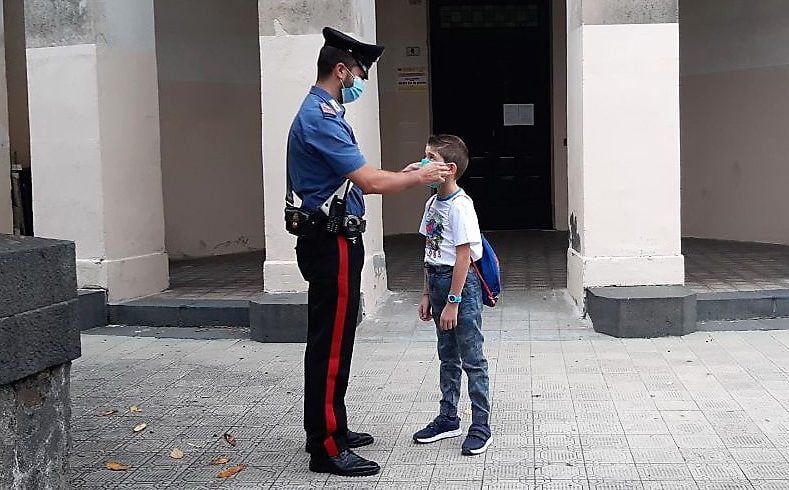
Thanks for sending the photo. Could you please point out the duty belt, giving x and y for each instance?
(303, 223)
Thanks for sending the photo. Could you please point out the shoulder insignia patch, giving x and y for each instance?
(327, 110)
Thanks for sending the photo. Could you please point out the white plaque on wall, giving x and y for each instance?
(412, 78)
(519, 114)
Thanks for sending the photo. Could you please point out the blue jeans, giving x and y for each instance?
(462, 346)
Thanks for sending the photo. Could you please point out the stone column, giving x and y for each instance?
(623, 137)
(38, 340)
(6, 220)
(94, 129)
(290, 38)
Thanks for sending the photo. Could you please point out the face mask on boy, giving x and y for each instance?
(424, 162)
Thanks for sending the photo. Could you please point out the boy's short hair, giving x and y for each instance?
(328, 58)
(452, 149)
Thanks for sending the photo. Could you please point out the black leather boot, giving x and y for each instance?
(347, 463)
(359, 439)
(355, 439)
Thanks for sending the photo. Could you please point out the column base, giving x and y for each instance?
(91, 308)
(126, 278)
(588, 272)
(374, 282)
(282, 317)
(282, 276)
(642, 312)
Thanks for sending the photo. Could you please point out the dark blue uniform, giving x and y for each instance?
(322, 150)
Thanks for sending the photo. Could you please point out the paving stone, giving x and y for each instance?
(612, 471)
(559, 471)
(715, 472)
(657, 455)
(670, 485)
(725, 485)
(765, 471)
(406, 472)
(614, 484)
(607, 455)
(661, 471)
(509, 485)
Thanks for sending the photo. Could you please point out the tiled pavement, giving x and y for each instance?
(571, 408)
(236, 276)
(717, 265)
(537, 260)
(531, 260)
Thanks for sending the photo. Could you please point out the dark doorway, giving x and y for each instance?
(491, 85)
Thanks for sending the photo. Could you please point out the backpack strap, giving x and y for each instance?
(431, 201)
(459, 194)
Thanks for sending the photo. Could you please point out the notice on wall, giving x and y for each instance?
(411, 78)
(519, 114)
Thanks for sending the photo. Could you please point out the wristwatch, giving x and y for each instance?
(454, 299)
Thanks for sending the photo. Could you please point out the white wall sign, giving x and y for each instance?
(412, 78)
(518, 114)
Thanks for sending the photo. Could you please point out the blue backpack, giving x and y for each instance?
(489, 273)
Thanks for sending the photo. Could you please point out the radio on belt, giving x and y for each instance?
(337, 222)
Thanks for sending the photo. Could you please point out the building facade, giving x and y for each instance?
(156, 129)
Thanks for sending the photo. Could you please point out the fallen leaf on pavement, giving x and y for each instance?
(140, 427)
(230, 439)
(115, 466)
(231, 471)
(108, 413)
(219, 461)
(176, 453)
(135, 409)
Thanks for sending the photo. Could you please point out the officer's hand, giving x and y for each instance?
(434, 173)
(412, 167)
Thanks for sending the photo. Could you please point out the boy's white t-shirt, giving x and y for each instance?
(448, 223)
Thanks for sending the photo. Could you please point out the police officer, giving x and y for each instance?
(328, 172)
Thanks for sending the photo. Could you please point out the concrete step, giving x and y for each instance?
(656, 311)
(192, 333)
(172, 312)
(742, 305)
(743, 325)
(265, 318)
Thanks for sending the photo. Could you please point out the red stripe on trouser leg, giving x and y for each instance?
(336, 344)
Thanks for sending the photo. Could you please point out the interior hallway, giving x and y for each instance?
(531, 260)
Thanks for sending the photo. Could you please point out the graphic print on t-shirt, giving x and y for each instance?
(434, 228)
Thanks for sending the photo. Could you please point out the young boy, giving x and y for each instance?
(452, 297)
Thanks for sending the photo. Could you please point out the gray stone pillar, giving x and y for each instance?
(623, 144)
(6, 221)
(38, 340)
(94, 132)
(290, 35)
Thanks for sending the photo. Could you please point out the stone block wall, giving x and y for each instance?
(34, 433)
(39, 337)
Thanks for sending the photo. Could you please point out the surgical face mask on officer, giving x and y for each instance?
(349, 94)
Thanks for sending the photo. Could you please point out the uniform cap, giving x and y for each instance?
(365, 54)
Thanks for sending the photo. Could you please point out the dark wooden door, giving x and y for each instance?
(491, 85)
